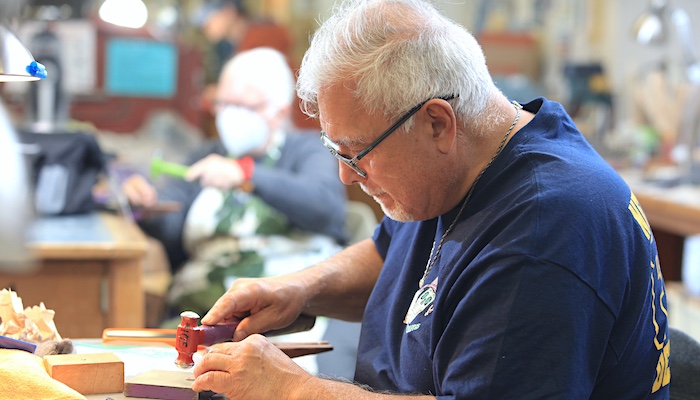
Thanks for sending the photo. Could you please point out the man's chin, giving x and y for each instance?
(397, 213)
(390, 208)
(400, 217)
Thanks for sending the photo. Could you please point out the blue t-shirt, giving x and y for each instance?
(548, 286)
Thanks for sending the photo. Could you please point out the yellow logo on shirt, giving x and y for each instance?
(658, 294)
(663, 369)
(639, 216)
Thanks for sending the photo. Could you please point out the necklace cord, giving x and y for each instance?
(432, 259)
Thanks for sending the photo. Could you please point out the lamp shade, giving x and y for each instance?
(16, 62)
(650, 27)
(15, 201)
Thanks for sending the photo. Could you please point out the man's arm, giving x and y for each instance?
(338, 287)
(315, 388)
(255, 369)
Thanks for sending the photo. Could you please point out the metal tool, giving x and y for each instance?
(190, 335)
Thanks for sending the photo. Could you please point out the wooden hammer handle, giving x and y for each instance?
(213, 334)
(303, 323)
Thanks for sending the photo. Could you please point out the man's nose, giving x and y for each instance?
(348, 175)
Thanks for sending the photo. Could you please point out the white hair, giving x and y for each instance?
(265, 69)
(398, 53)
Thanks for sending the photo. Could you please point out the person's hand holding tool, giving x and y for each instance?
(261, 305)
(190, 336)
(221, 172)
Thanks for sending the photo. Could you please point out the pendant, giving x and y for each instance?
(424, 297)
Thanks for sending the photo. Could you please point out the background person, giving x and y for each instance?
(514, 262)
(260, 182)
(229, 28)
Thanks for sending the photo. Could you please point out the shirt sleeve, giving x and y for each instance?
(383, 234)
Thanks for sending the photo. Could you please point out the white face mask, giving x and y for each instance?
(241, 130)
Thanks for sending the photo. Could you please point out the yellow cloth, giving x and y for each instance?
(23, 376)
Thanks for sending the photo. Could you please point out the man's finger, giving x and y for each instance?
(216, 381)
(233, 304)
(195, 171)
(223, 308)
(216, 359)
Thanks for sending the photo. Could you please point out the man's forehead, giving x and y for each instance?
(340, 131)
(341, 115)
(336, 97)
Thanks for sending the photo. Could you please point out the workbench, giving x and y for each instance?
(88, 270)
(673, 213)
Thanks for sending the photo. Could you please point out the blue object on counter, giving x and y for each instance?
(9, 343)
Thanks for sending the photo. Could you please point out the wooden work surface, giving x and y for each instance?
(88, 272)
(675, 209)
(673, 213)
(98, 235)
(148, 357)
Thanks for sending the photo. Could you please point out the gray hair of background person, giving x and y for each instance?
(400, 52)
(265, 69)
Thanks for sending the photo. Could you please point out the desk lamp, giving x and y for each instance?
(15, 201)
(16, 64)
(650, 27)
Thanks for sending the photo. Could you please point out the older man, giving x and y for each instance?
(514, 262)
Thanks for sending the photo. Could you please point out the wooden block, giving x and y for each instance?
(87, 373)
(166, 385)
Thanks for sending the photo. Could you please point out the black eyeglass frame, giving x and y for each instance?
(352, 162)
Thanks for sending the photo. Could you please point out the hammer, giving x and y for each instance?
(191, 335)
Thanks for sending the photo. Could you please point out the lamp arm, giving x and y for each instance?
(681, 21)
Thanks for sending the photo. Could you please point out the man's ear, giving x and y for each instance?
(443, 123)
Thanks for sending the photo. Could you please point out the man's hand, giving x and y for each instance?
(139, 191)
(256, 369)
(251, 369)
(261, 305)
(217, 171)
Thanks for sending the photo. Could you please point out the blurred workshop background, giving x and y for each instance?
(134, 76)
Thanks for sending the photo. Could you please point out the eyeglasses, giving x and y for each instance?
(352, 162)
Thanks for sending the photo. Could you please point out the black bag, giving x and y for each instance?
(65, 167)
